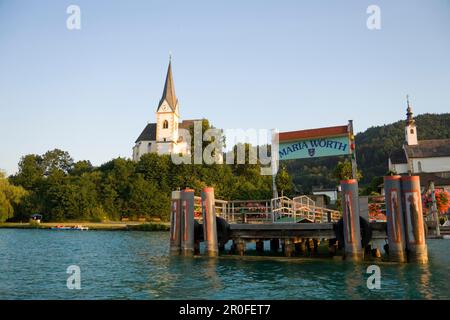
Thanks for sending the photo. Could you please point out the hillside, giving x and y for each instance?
(372, 149)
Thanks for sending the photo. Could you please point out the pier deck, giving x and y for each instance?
(247, 231)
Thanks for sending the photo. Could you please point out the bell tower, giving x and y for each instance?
(167, 116)
(410, 128)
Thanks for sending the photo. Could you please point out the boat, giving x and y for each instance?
(77, 227)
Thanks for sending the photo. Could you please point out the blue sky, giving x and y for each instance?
(288, 65)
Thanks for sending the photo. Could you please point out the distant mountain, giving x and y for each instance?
(373, 147)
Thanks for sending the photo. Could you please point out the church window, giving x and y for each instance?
(165, 124)
(412, 131)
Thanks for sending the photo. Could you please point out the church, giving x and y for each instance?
(162, 137)
(430, 159)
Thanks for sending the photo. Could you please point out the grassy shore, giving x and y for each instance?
(111, 226)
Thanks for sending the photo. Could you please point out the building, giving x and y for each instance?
(430, 159)
(331, 193)
(163, 136)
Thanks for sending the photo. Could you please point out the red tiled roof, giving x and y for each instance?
(313, 133)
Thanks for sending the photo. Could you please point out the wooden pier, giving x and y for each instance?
(298, 226)
(294, 231)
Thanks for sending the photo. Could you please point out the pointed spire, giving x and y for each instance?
(409, 113)
(169, 88)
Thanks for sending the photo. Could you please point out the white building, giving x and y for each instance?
(163, 136)
(429, 159)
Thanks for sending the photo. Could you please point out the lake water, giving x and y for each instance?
(136, 265)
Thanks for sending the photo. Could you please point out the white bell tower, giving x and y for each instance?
(410, 128)
(167, 117)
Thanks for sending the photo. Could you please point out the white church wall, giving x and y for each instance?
(142, 148)
(399, 168)
(165, 148)
(437, 164)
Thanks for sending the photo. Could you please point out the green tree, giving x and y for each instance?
(57, 160)
(30, 172)
(284, 181)
(10, 197)
(343, 171)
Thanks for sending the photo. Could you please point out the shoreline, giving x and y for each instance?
(96, 226)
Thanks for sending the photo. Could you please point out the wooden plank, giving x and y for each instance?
(282, 226)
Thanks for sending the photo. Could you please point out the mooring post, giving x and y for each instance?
(415, 230)
(289, 248)
(260, 246)
(175, 224)
(187, 222)
(394, 217)
(209, 222)
(300, 247)
(434, 210)
(274, 245)
(350, 213)
(240, 247)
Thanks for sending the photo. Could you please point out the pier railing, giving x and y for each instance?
(281, 209)
(301, 208)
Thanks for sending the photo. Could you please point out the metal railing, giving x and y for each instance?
(301, 208)
(281, 209)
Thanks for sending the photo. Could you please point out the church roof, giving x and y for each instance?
(186, 124)
(398, 156)
(429, 149)
(148, 134)
(169, 90)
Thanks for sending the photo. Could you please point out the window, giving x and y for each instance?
(412, 131)
(419, 166)
(165, 124)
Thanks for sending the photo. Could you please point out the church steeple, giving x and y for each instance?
(409, 113)
(410, 128)
(169, 90)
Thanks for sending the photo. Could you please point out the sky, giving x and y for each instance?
(286, 65)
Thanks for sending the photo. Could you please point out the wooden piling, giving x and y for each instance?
(352, 235)
(259, 246)
(394, 219)
(289, 247)
(274, 245)
(175, 224)
(209, 222)
(240, 247)
(415, 230)
(187, 222)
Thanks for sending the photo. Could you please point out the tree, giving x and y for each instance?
(80, 167)
(10, 197)
(30, 172)
(57, 160)
(343, 171)
(284, 181)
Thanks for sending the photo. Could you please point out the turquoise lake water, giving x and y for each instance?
(136, 265)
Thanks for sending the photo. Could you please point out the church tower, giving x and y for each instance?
(410, 128)
(167, 117)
